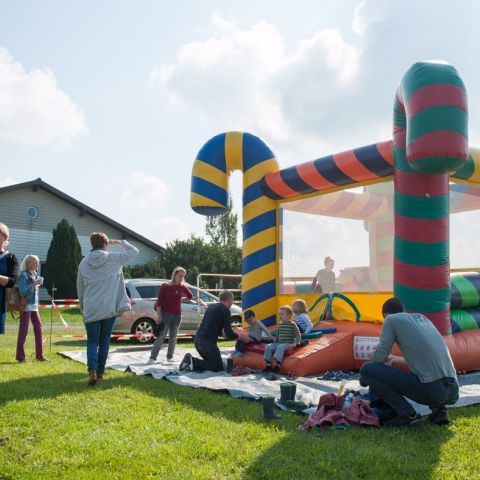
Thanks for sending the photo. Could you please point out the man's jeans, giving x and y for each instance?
(170, 324)
(211, 358)
(392, 384)
(98, 343)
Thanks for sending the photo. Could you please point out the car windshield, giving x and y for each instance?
(148, 291)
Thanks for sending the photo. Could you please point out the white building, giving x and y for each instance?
(33, 209)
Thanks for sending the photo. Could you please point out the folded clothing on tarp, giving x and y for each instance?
(329, 412)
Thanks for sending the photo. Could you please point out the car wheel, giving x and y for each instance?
(143, 329)
(236, 322)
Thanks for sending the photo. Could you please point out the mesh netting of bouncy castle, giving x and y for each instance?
(355, 228)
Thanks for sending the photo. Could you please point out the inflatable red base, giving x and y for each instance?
(348, 349)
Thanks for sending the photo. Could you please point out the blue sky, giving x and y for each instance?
(110, 101)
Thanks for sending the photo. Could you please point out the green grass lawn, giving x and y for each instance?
(137, 427)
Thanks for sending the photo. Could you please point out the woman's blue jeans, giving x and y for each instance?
(98, 343)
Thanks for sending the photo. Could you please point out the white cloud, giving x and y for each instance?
(165, 229)
(33, 109)
(331, 91)
(139, 201)
(245, 79)
(142, 191)
(6, 181)
(367, 14)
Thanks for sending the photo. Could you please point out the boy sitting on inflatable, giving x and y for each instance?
(254, 332)
(288, 337)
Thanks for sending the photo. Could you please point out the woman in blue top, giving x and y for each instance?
(8, 273)
(28, 285)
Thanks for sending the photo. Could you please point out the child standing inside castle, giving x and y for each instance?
(302, 319)
(254, 331)
(28, 285)
(288, 337)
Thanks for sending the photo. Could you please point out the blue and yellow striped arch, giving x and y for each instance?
(216, 160)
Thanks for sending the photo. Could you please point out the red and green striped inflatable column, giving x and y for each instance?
(429, 140)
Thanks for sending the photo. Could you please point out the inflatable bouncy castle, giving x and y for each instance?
(395, 213)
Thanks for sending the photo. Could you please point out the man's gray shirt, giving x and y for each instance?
(422, 346)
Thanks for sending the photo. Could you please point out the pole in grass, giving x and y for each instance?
(52, 300)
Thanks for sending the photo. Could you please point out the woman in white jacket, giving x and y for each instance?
(102, 296)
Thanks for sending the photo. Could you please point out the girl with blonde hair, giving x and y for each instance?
(169, 312)
(302, 319)
(28, 284)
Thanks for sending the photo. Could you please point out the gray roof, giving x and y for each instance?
(39, 183)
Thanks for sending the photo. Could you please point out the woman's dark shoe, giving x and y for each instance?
(43, 359)
(99, 376)
(92, 377)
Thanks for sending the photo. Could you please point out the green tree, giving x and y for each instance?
(198, 256)
(151, 269)
(222, 229)
(64, 255)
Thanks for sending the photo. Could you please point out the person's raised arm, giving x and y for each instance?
(129, 252)
(387, 339)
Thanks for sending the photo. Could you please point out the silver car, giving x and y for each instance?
(140, 320)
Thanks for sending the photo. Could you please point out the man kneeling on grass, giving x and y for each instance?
(216, 322)
(432, 380)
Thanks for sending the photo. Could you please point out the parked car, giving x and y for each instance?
(140, 320)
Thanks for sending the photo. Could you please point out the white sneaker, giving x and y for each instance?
(151, 361)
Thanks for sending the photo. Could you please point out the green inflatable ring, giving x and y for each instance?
(341, 297)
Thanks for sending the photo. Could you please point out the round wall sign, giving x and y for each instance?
(32, 212)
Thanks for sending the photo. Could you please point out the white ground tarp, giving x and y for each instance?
(251, 386)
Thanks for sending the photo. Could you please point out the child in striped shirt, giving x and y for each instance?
(288, 337)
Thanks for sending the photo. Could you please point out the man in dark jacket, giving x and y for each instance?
(216, 322)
